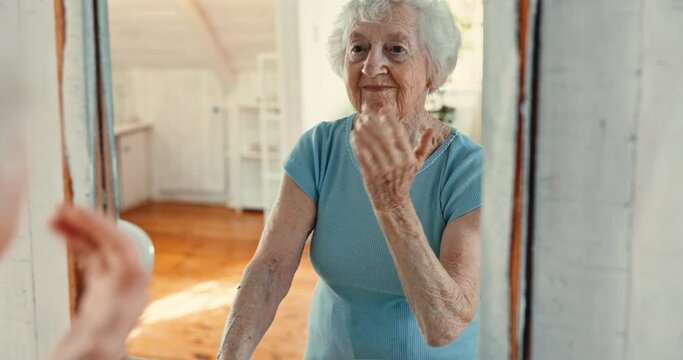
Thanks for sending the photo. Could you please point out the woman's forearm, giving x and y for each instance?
(256, 303)
(442, 305)
(269, 275)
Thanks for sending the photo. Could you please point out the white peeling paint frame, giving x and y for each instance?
(107, 99)
(78, 124)
(88, 113)
(33, 278)
(500, 95)
(509, 136)
(528, 108)
(90, 82)
(99, 103)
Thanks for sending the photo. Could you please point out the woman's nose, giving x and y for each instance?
(375, 63)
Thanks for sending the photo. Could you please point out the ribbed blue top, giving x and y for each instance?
(359, 310)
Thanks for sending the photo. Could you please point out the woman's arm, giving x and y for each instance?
(269, 275)
(442, 292)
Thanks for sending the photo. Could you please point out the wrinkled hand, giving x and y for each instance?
(115, 285)
(387, 160)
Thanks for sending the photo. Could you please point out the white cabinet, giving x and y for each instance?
(255, 156)
(132, 145)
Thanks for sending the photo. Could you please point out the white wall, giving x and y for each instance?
(586, 163)
(189, 139)
(288, 48)
(312, 92)
(187, 135)
(166, 73)
(34, 307)
(323, 92)
(607, 248)
(654, 329)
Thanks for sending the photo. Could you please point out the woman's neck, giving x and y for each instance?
(419, 121)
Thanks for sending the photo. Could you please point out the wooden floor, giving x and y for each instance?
(200, 254)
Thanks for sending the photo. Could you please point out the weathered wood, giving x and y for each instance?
(518, 214)
(500, 104)
(60, 34)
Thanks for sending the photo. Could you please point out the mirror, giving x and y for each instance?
(209, 98)
(581, 202)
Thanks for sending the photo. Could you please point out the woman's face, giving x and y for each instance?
(386, 65)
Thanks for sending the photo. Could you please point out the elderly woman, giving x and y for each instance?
(393, 196)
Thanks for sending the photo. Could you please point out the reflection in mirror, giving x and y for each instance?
(212, 98)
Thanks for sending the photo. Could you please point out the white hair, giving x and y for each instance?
(437, 30)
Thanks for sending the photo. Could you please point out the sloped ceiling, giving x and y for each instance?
(158, 34)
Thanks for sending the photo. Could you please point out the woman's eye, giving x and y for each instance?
(357, 49)
(398, 49)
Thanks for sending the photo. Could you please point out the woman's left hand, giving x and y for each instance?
(115, 291)
(388, 161)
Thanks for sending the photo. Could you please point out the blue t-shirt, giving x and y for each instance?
(359, 310)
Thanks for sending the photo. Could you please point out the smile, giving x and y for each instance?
(377, 88)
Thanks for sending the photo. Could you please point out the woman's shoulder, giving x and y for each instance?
(463, 147)
(323, 136)
(329, 130)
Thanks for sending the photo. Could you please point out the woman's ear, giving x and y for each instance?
(431, 78)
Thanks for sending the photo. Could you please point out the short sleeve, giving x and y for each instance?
(462, 189)
(303, 163)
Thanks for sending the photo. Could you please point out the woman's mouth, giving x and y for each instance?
(377, 88)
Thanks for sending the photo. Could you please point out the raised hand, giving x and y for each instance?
(115, 285)
(387, 160)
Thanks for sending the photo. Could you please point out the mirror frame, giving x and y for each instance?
(509, 122)
(86, 114)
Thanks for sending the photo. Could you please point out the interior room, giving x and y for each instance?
(199, 121)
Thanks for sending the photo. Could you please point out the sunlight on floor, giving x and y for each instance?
(209, 295)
